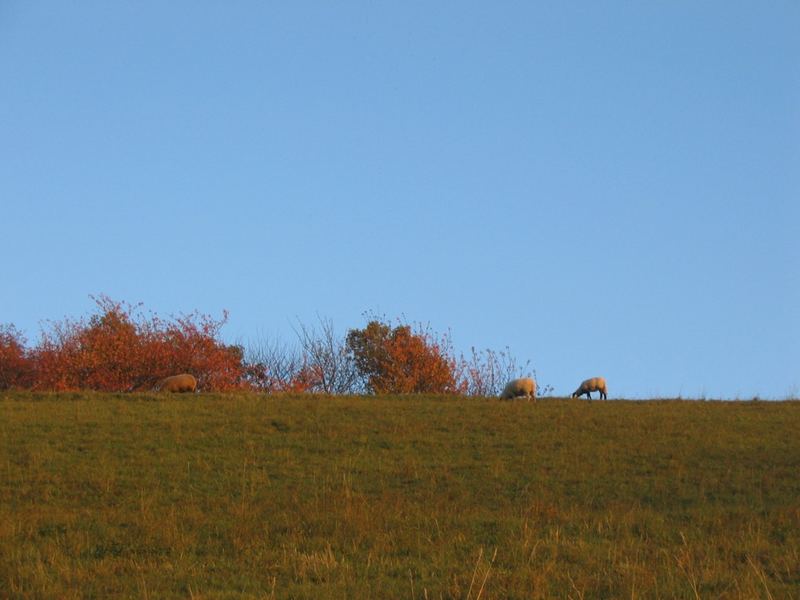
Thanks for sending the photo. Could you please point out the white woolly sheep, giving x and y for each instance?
(177, 383)
(524, 386)
(595, 384)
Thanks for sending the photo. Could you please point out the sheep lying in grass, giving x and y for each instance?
(595, 384)
(524, 386)
(177, 383)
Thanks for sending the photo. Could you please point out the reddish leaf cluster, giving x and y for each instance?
(119, 349)
(400, 361)
(303, 378)
(16, 370)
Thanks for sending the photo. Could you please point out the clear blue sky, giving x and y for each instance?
(605, 187)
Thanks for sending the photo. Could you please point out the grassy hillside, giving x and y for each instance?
(105, 495)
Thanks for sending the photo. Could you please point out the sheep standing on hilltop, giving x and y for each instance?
(177, 384)
(595, 384)
(524, 386)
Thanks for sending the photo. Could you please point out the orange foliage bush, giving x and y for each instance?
(400, 361)
(307, 379)
(120, 349)
(16, 370)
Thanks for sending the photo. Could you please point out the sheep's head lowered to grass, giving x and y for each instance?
(523, 387)
(595, 384)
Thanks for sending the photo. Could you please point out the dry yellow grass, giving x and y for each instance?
(105, 495)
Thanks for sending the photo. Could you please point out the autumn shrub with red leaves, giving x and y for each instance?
(399, 360)
(16, 370)
(120, 349)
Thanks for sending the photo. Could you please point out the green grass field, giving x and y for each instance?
(237, 496)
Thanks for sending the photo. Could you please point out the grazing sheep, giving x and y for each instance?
(595, 384)
(177, 383)
(520, 387)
